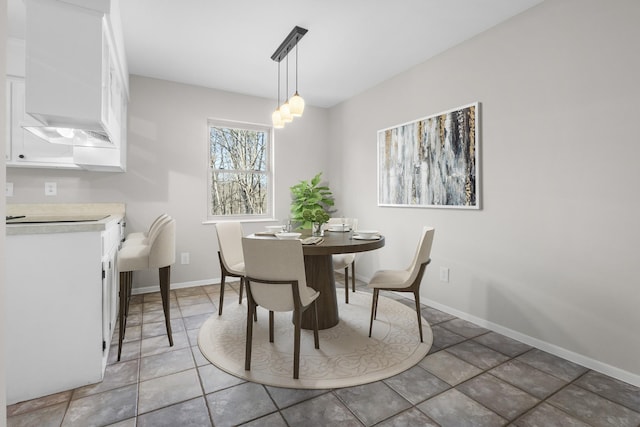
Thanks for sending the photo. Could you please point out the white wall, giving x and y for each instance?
(166, 167)
(552, 256)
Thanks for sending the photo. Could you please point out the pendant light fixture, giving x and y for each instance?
(294, 106)
(296, 103)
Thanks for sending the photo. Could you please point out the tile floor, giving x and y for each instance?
(471, 377)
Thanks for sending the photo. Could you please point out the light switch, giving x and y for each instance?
(8, 192)
(50, 188)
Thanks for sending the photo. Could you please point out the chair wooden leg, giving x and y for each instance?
(416, 295)
(270, 326)
(250, 309)
(296, 344)
(374, 309)
(346, 285)
(165, 280)
(241, 288)
(121, 314)
(221, 293)
(353, 275)
(316, 338)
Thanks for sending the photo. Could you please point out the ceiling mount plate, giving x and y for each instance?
(289, 43)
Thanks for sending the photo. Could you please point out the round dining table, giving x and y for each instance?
(320, 275)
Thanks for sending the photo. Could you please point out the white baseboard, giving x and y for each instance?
(580, 359)
(181, 285)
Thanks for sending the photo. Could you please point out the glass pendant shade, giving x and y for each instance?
(276, 119)
(285, 113)
(296, 105)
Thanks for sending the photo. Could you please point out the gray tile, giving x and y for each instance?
(160, 344)
(593, 409)
(154, 329)
(271, 420)
(553, 365)
(323, 410)
(115, 376)
(373, 402)
(435, 316)
(192, 336)
(454, 409)
(449, 368)
(190, 291)
(285, 397)
(192, 413)
(214, 379)
(416, 384)
(158, 315)
(528, 378)
(33, 404)
(47, 416)
(167, 390)
(477, 354)
(464, 328)
(504, 345)
(611, 388)
(239, 404)
(186, 300)
(102, 408)
(166, 363)
(410, 417)
(131, 422)
(548, 416)
(443, 338)
(199, 357)
(130, 351)
(195, 322)
(499, 396)
(196, 309)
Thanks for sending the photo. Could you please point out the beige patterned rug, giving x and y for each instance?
(347, 356)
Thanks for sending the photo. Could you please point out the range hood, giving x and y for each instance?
(74, 80)
(72, 136)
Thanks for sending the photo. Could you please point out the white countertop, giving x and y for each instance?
(115, 212)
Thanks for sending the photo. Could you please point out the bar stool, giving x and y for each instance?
(157, 251)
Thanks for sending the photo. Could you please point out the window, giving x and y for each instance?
(240, 182)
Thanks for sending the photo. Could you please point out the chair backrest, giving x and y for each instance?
(423, 252)
(156, 222)
(353, 222)
(269, 259)
(230, 243)
(162, 251)
(155, 228)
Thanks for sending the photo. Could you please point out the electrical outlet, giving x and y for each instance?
(184, 258)
(50, 189)
(444, 274)
(8, 192)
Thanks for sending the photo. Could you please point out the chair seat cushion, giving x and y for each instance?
(134, 257)
(340, 261)
(237, 269)
(394, 279)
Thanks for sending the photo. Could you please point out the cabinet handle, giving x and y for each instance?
(21, 156)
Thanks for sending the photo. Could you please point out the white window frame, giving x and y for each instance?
(268, 130)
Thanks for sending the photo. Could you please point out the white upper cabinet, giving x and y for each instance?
(76, 79)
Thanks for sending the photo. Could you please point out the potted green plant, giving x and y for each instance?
(313, 197)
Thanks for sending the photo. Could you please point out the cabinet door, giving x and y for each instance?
(27, 148)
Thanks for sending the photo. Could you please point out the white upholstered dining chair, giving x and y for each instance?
(344, 261)
(275, 279)
(157, 251)
(230, 256)
(407, 280)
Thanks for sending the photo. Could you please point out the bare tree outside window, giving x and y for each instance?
(239, 170)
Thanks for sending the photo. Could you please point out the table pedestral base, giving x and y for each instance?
(320, 276)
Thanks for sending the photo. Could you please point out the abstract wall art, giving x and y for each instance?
(431, 162)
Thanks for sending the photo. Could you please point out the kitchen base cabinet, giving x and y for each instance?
(60, 310)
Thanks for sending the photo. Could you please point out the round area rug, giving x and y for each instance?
(347, 356)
